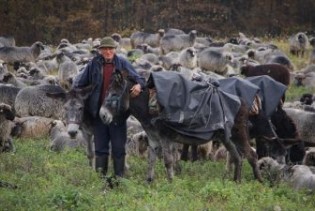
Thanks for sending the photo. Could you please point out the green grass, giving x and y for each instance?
(63, 181)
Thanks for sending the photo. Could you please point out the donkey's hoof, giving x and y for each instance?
(150, 180)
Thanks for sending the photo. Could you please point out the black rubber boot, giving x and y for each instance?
(101, 164)
(119, 166)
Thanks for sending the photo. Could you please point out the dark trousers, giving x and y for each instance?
(115, 134)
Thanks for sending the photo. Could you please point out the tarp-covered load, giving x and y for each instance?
(198, 109)
(192, 108)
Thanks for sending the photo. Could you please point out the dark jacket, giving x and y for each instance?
(93, 74)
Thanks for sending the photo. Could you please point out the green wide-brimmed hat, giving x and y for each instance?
(107, 42)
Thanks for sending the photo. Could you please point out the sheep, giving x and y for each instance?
(305, 77)
(6, 117)
(32, 101)
(138, 144)
(213, 60)
(138, 38)
(8, 95)
(60, 139)
(66, 72)
(309, 157)
(197, 152)
(21, 54)
(204, 41)
(124, 42)
(307, 99)
(173, 31)
(275, 71)
(282, 59)
(170, 43)
(299, 177)
(150, 57)
(298, 44)
(169, 59)
(188, 58)
(32, 127)
(10, 78)
(269, 55)
(304, 121)
(7, 41)
(148, 49)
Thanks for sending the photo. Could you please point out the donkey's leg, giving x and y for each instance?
(236, 158)
(90, 149)
(167, 150)
(152, 156)
(241, 139)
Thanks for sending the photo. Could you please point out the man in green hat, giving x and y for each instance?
(98, 72)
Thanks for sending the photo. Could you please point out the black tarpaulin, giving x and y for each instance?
(240, 87)
(270, 93)
(192, 108)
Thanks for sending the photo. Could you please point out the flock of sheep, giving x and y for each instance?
(27, 73)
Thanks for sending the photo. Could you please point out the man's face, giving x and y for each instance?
(107, 53)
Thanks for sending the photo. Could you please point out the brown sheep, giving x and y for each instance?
(275, 71)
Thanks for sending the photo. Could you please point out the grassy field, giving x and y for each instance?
(63, 181)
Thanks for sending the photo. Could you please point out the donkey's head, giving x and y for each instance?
(116, 103)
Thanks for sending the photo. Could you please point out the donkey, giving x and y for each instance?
(161, 135)
(76, 117)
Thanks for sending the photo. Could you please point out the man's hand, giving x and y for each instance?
(135, 90)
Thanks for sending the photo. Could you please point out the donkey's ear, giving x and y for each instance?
(85, 92)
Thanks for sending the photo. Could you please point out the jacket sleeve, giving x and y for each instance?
(133, 73)
(83, 78)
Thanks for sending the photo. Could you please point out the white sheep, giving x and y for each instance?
(309, 157)
(170, 43)
(10, 78)
(169, 59)
(299, 177)
(8, 94)
(21, 54)
(33, 101)
(188, 58)
(304, 121)
(214, 60)
(7, 41)
(67, 71)
(32, 127)
(298, 44)
(138, 38)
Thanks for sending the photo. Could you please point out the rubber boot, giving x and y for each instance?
(119, 166)
(101, 164)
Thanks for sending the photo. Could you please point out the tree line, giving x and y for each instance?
(50, 21)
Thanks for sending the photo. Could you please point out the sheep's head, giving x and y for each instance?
(309, 158)
(6, 110)
(270, 169)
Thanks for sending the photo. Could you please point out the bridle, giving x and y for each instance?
(114, 101)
